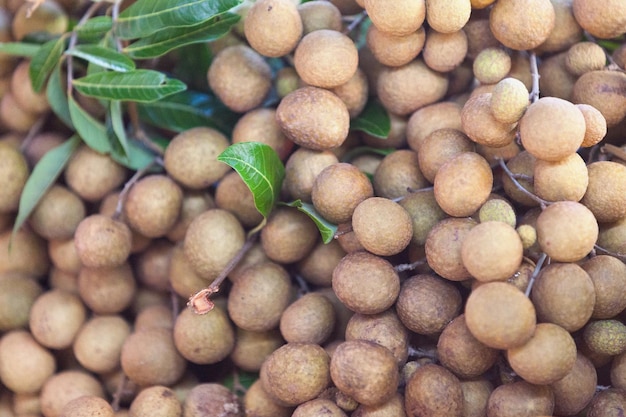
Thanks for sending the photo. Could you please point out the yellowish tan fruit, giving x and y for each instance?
(595, 124)
(443, 52)
(583, 57)
(605, 19)
(522, 24)
(566, 179)
(491, 65)
(509, 100)
(397, 18)
(480, 124)
(273, 27)
(392, 50)
(447, 16)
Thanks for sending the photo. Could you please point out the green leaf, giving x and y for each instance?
(57, 97)
(103, 57)
(117, 122)
(364, 150)
(373, 120)
(327, 229)
(25, 49)
(192, 63)
(171, 38)
(186, 110)
(90, 130)
(44, 61)
(43, 176)
(245, 380)
(136, 158)
(146, 17)
(94, 29)
(260, 168)
(142, 85)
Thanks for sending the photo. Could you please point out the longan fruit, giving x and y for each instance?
(509, 100)
(260, 125)
(392, 50)
(295, 373)
(607, 403)
(337, 191)
(348, 7)
(554, 79)
(552, 128)
(151, 265)
(365, 371)
(302, 168)
(497, 209)
(204, 339)
(606, 193)
(18, 292)
(605, 336)
(433, 390)
(479, 34)
(608, 275)
(425, 213)
(566, 179)
(318, 407)
(443, 52)
(358, 279)
(314, 118)
(194, 203)
(567, 231)
(605, 21)
(424, 121)
(234, 195)
(58, 213)
(255, 255)
(439, 147)
(399, 19)
(317, 267)
(443, 248)
(492, 251)
(23, 92)
(326, 58)
(212, 240)
(150, 357)
(65, 386)
(500, 315)
(491, 65)
(289, 235)
(13, 173)
(24, 252)
(252, 348)
(463, 184)
(107, 290)
(273, 27)
(317, 15)
(13, 116)
(93, 175)
(576, 389)
(87, 406)
(600, 89)
(480, 125)
(259, 296)
(448, 16)
(403, 90)
(382, 235)
(476, 394)
(395, 139)
(56, 317)
(211, 399)
(611, 236)
(583, 57)
(354, 93)
(309, 319)
(101, 241)
(398, 173)
(191, 157)
(522, 25)
(566, 30)
(393, 407)
(521, 164)
(259, 403)
(595, 125)
(25, 365)
(50, 18)
(99, 341)
(517, 398)
(156, 401)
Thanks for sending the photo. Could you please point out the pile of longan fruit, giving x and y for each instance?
(478, 267)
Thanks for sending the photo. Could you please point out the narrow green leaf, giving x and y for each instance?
(117, 122)
(364, 150)
(43, 176)
(103, 57)
(146, 17)
(244, 379)
(374, 120)
(327, 229)
(143, 86)
(90, 130)
(94, 29)
(25, 49)
(55, 92)
(260, 168)
(192, 63)
(136, 158)
(44, 61)
(186, 110)
(171, 38)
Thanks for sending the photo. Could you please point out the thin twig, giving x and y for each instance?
(617, 255)
(139, 133)
(534, 72)
(409, 267)
(535, 274)
(33, 131)
(136, 176)
(542, 203)
(117, 396)
(614, 150)
(356, 22)
(73, 41)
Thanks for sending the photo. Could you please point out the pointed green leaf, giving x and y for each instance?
(25, 49)
(192, 63)
(171, 38)
(43, 176)
(373, 120)
(117, 122)
(44, 62)
(364, 150)
(146, 17)
(94, 29)
(144, 86)
(260, 168)
(327, 229)
(136, 158)
(186, 110)
(90, 130)
(55, 92)
(103, 57)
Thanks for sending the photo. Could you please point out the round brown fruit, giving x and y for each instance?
(433, 391)
(522, 24)
(273, 27)
(102, 241)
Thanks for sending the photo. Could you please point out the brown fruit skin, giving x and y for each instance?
(107, 290)
(522, 24)
(605, 21)
(427, 303)
(433, 391)
(606, 192)
(443, 248)
(438, 148)
(520, 399)
(211, 399)
(460, 352)
(99, 342)
(65, 386)
(18, 292)
(252, 348)
(156, 401)
(566, 179)
(23, 252)
(56, 317)
(608, 275)
(261, 125)
(318, 406)
(262, 22)
(87, 406)
(601, 89)
(259, 403)
(314, 118)
(57, 214)
(605, 336)
(204, 339)
(400, 18)
(309, 319)
(424, 121)
(240, 77)
(13, 175)
(301, 169)
(233, 194)
(395, 51)
(481, 126)
(595, 125)
(319, 15)
(476, 394)
(575, 390)
(25, 365)
(448, 16)
(295, 373)
(102, 241)
(365, 371)
(288, 236)
(23, 92)
(397, 173)
(317, 267)
(608, 403)
(424, 213)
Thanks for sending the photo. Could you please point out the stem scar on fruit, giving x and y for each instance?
(200, 302)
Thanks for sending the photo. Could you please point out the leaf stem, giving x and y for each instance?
(33, 131)
(542, 203)
(535, 274)
(534, 72)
